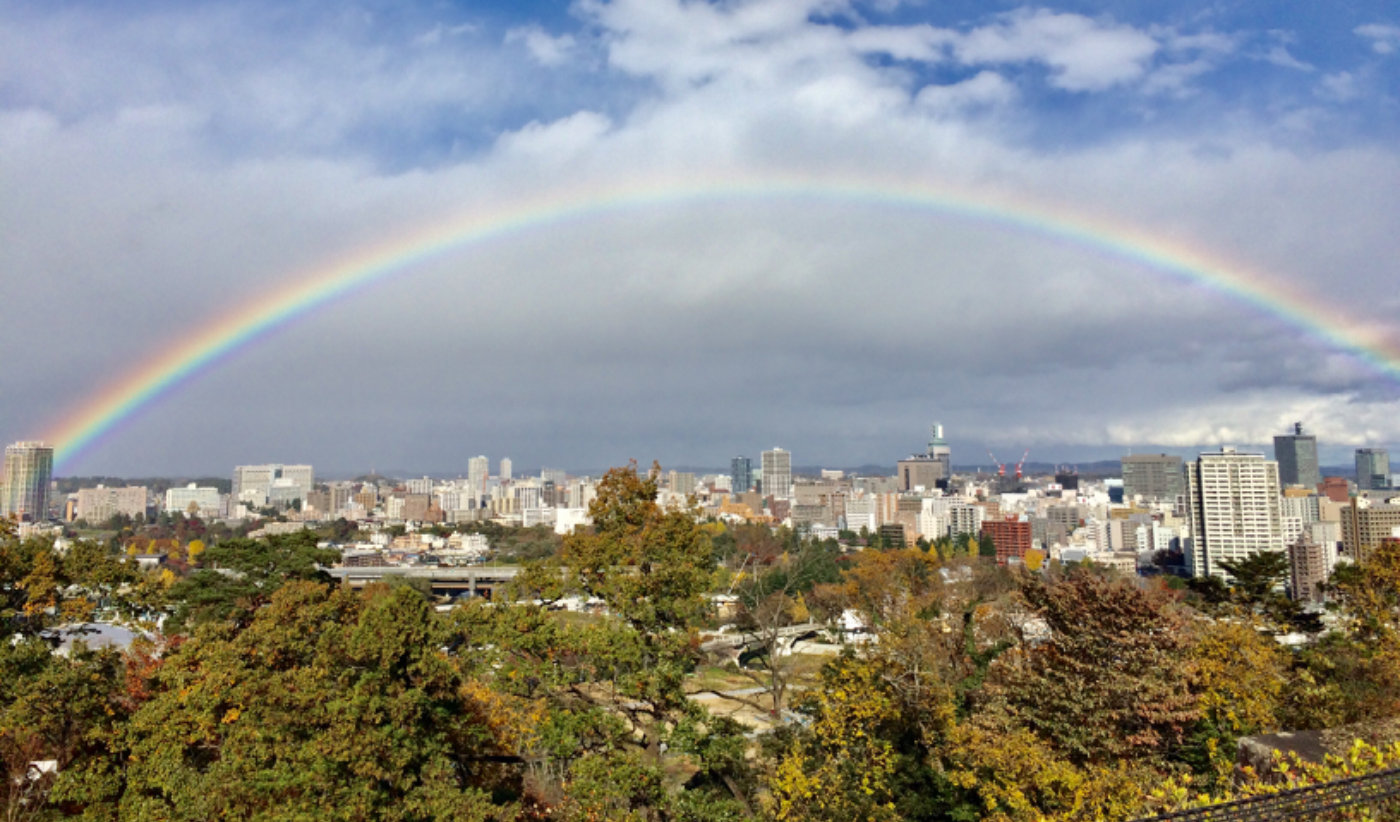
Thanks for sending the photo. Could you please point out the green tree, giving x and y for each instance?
(652, 567)
(1257, 587)
(1353, 674)
(69, 709)
(330, 704)
(240, 575)
(64, 708)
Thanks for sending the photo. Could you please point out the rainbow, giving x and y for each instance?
(104, 411)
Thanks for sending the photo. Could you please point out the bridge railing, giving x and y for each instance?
(1309, 802)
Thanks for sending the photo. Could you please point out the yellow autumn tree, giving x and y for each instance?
(1238, 676)
(840, 767)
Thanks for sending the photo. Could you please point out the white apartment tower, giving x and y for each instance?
(777, 472)
(477, 470)
(28, 470)
(1234, 507)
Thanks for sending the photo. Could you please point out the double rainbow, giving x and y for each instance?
(102, 412)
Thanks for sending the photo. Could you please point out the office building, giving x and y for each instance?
(1157, 477)
(505, 468)
(919, 473)
(260, 484)
(1372, 469)
(1234, 508)
(254, 480)
(1296, 455)
(776, 472)
(862, 513)
(203, 502)
(740, 475)
(928, 470)
(28, 471)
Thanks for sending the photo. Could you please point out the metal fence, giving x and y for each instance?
(1311, 802)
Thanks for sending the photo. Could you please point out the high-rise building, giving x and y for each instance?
(776, 471)
(477, 470)
(1153, 477)
(1234, 508)
(928, 470)
(505, 468)
(28, 472)
(740, 474)
(1372, 469)
(1309, 564)
(1296, 454)
(1364, 526)
(938, 449)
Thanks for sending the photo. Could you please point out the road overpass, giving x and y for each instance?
(448, 580)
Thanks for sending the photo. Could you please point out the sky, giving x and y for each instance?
(164, 164)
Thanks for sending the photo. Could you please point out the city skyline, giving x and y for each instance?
(476, 469)
(409, 233)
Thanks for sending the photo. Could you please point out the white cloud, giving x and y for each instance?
(435, 35)
(1342, 86)
(986, 88)
(558, 142)
(919, 42)
(549, 50)
(1385, 38)
(1279, 55)
(1339, 420)
(1083, 54)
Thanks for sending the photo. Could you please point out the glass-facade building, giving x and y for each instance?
(1296, 455)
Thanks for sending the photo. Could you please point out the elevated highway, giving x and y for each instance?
(473, 580)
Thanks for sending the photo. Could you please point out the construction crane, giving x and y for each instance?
(1001, 467)
(1022, 463)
